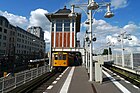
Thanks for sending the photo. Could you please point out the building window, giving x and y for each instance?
(72, 25)
(9, 39)
(58, 25)
(67, 25)
(0, 29)
(0, 36)
(6, 24)
(5, 30)
(4, 44)
(4, 37)
(1, 22)
(13, 33)
(10, 32)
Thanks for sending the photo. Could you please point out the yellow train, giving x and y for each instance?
(61, 60)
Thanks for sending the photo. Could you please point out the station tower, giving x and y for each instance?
(63, 29)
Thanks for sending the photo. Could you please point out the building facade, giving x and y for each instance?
(18, 46)
(18, 39)
(36, 30)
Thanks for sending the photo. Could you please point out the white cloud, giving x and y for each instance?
(119, 3)
(106, 32)
(134, 41)
(111, 39)
(130, 27)
(15, 19)
(47, 37)
(38, 18)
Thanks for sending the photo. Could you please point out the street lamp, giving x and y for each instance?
(72, 14)
(92, 5)
(108, 14)
(86, 50)
(122, 36)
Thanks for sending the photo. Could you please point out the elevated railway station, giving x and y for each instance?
(68, 70)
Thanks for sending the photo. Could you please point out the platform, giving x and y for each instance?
(75, 80)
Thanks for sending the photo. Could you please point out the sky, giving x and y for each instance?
(26, 13)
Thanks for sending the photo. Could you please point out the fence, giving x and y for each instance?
(9, 83)
(131, 60)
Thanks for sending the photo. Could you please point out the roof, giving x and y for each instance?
(64, 10)
(63, 13)
(4, 18)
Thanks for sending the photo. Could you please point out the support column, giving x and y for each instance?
(90, 29)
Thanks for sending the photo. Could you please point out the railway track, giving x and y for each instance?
(131, 77)
(39, 85)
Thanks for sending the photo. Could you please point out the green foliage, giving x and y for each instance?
(105, 52)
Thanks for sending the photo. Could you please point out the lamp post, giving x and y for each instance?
(122, 36)
(87, 54)
(92, 5)
(86, 51)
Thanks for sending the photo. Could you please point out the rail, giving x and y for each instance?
(9, 83)
(134, 78)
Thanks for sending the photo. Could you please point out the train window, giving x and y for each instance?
(64, 57)
(56, 57)
(60, 57)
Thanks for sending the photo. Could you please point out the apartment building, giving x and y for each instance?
(19, 40)
(18, 46)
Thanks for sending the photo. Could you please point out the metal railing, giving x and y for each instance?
(11, 82)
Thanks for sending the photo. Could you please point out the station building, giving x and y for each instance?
(64, 29)
(64, 33)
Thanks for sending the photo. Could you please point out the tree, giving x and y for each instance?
(105, 52)
(110, 52)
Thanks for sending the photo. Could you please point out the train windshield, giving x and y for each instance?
(60, 57)
(56, 57)
(64, 57)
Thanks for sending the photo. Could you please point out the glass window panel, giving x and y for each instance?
(60, 57)
(67, 24)
(6, 24)
(72, 29)
(56, 57)
(58, 29)
(59, 21)
(4, 37)
(67, 21)
(66, 29)
(64, 57)
(0, 29)
(5, 30)
(1, 21)
(59, 24)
